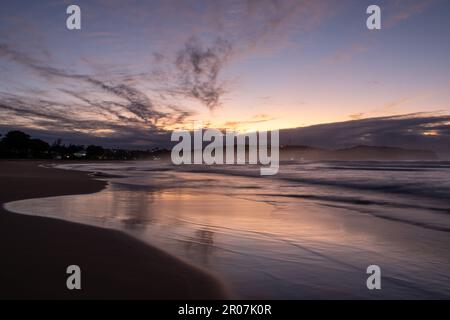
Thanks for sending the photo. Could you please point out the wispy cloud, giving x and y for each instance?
(191, 71)
(395, 12)
(357, 116)
(259, 118)
(120, 106)
(403, 10)
(347, 53)
(198, 69)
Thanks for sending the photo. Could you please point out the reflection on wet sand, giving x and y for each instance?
(201, 244)
(264, 246)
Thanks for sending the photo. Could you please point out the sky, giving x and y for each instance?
(139, 69)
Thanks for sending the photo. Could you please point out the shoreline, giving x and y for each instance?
(37, 250)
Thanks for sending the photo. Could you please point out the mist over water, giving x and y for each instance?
(308, 232)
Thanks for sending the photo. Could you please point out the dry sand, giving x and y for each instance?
(35, 251)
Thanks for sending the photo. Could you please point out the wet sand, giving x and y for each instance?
(277, 238)
(36, 251)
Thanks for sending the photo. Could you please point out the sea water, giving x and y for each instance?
(310, 231)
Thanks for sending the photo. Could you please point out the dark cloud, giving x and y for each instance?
(46, 122)
(128, 138)
(417, 131)
(122, 107)
(407, 131)
(138, 103)
(198, 68)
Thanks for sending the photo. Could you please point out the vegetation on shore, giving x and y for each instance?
(19, 145)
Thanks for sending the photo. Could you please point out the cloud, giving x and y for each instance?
(357, 116)
(191, 56)
(259, 118)
(403, 10)
(51, 121)
(6, 52)
(95, 105)
(348, 53)
(198, 68)
(391, 106)
(405, 131)
(184, 71)
(138, 103)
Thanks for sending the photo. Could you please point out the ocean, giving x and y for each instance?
(309, 232)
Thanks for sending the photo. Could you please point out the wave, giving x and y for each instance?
(358, 201)
(439, 189)
(423, 224)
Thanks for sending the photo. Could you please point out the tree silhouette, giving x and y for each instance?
(95, 152)
(19, 145)
(16, 144)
